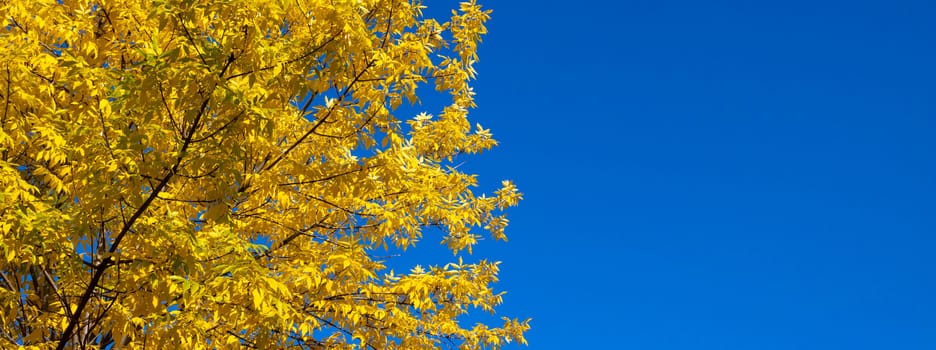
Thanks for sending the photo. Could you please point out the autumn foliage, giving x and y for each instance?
(233, 173)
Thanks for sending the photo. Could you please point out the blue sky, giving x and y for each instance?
(714, 175)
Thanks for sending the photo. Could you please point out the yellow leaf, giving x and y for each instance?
(257, 298)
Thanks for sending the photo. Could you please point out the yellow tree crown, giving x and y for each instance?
(220, 174)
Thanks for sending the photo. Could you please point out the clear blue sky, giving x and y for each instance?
(717, 174)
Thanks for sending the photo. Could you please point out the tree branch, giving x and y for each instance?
(101, 267)
(318, 124)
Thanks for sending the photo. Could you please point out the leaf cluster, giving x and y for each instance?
(225, 174)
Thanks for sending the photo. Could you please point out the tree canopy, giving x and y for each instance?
(233, 173)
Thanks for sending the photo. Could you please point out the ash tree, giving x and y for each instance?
(227, 174)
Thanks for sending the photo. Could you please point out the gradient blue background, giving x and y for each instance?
(713, 175)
